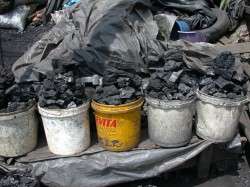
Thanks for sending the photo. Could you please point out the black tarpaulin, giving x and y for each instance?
(98, 167)
(94, 31)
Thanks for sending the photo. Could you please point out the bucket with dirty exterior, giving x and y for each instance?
(217, 118)
(118, 127)
(67, 130)
(18, 132)
(170, 122)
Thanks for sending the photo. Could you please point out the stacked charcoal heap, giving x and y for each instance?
(14, 97)
(222, 81)
(62, 89)
(19, 178)
(6, 80)
(120, 84)
(172, 81)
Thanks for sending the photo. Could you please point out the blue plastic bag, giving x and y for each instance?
(71, 2)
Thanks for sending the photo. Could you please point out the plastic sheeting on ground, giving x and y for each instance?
(93, 32)
(98, 167)
(107, 168)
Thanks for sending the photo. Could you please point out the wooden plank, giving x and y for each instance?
(225, 40)
(235, 48)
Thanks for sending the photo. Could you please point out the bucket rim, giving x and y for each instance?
(17, 113)
(64, 112)
(115, 106)
(169, 103)
(113, 109)
(220, 101)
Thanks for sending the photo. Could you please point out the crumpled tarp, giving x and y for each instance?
(107, 168)
(98, 167)
(196, 13)
(93, 32)
(235, 10)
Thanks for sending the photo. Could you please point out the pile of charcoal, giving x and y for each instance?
(172, 85)
(121, 84)
(62, 89)
(14, 97)
(222, 80)
(172, 81)
(6, 80)
(19, 178)
(17, 97)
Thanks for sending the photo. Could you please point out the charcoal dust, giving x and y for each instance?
(19, 178)
(222, 80)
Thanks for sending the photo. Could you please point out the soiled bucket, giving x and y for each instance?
(67, 130)
(170, 122)
(118, 127)
(18, 132)
(217, 118)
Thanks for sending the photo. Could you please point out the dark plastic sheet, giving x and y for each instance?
(235, 10)
(107, 168)
(98, 167)
(94, 32)
(196, 13)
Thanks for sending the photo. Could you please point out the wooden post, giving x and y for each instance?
(1, 53)
(204, 162)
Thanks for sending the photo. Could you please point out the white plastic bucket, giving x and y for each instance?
(67, 130)
(18, 132)
(217, 118)
(170, 122)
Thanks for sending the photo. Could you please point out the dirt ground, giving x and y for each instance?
(234, 173)
(15, 43)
